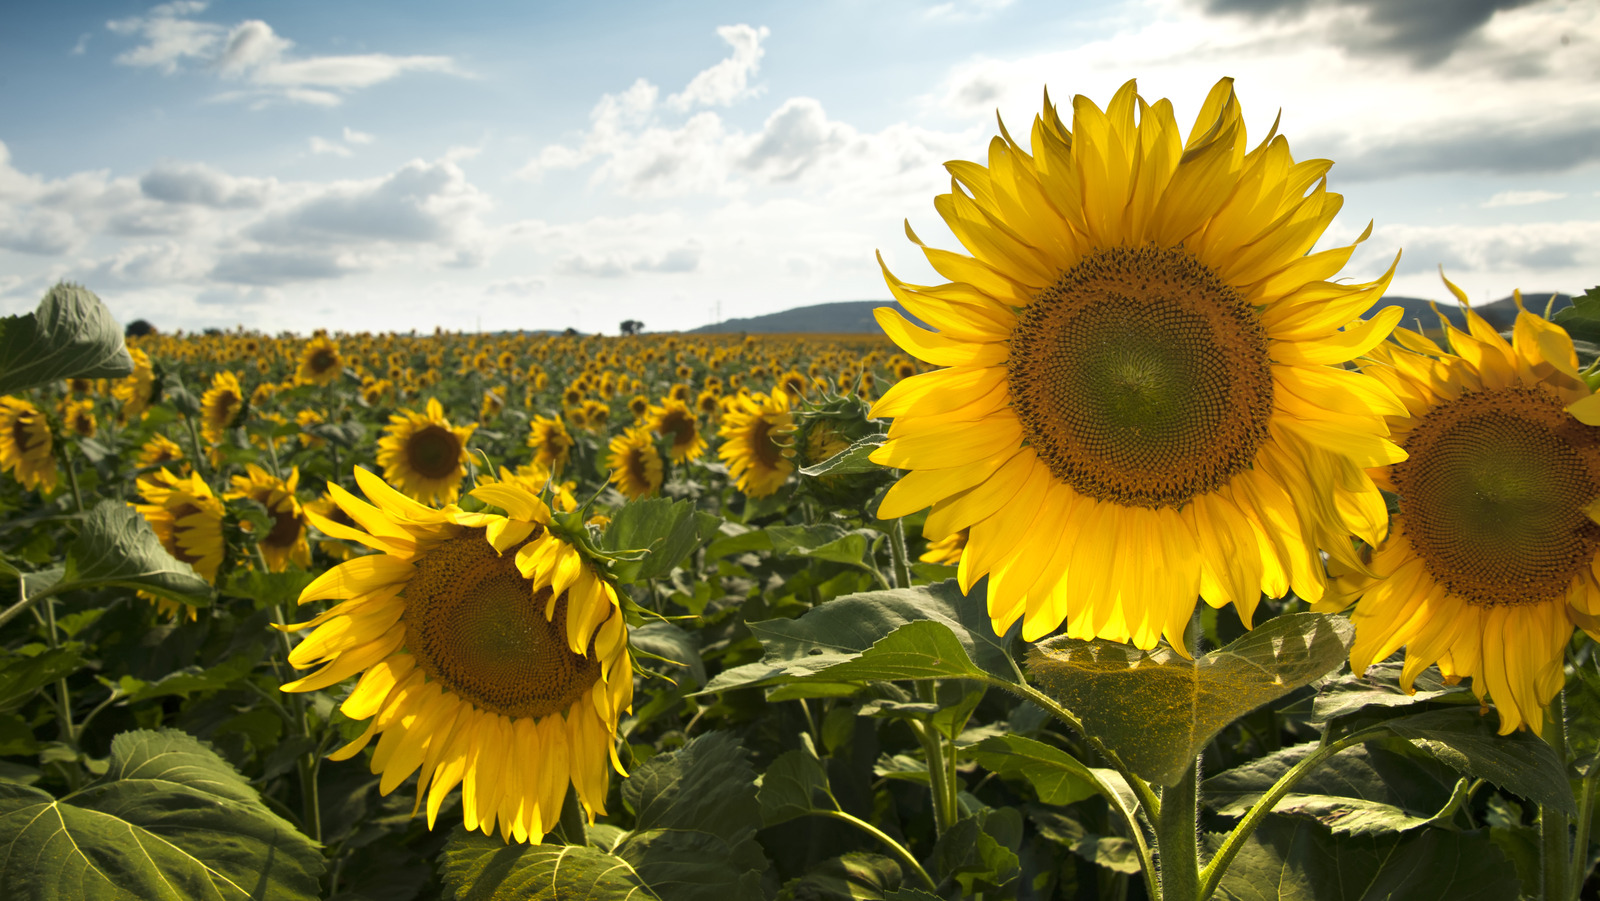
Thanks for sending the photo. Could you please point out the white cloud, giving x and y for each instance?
(1522, 198)
(727, 81)
(82, 46)
(966, 10)
(254, 55)
(199, 184)
(515, 287)
(421, 203)
(1487, 260)
(351, 136)
(323, 145)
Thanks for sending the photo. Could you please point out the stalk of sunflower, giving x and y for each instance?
(424, 455)
(757, 446)
(1143, 352)
(27, 447)
(1489, 563)
(492, 655)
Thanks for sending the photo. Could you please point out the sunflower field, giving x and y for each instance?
(1148, 557)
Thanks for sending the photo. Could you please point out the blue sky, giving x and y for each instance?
(367, 166)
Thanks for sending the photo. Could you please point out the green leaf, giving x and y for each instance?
(734, 539)
(1158, 710)
(850, 461)
(269, 589)
(1293, 859)
(667, 640)
(23, 674)
(669, 530)
(857, 875)
(70, 335)
(1519, 762)
(980, 851)
(1114, 852)
(1056, 776)
(795, 785)
(822, 542)
(341, 434)
(476, 867)
(169, 820)
(1582, 319)
(117, 547)
(1379, 687)
(696, 815)
(844, 629)
(1361, 790)
(193, 678)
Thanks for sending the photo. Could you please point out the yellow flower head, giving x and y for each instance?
(424, 455)
(492, 655)
(635, 464)
(675, 420)
(320, 362)
(220, 406)
(286, 541)
(27, 449)
(1140, 398)
(1489, 562)
(550, 442)
(757, 444)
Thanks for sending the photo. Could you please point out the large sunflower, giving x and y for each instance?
(27, 449)
(757, 442)
(681, 425)
(1489, 562)
(220, 406)
(551, 443)
(635, 464)
(425, 456)
(320, 362)
(1141, 400)
(493, 655)
(286, 542)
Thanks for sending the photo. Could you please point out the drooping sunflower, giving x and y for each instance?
(320, 362)
(187, 519)
(681, 426)
(1489, 563)
(161, 451)
(220, 406)
(635, 464)
(1140, 401)
(492, 655)
(757, 442)
(423, 455)
(136, 390)
(27, 449)
(551, 443)
(286, 542)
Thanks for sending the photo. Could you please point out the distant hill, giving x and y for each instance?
(845, 317)
(849, 317)
(1500, 314)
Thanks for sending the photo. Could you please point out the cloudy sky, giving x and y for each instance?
(397, 165)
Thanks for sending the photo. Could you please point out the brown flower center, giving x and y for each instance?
(1141, 379)
(478, 627)
(433, 451)
(1492, 497)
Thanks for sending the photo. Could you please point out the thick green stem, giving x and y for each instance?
(1579, 872)
(941, 772)
(309, 765)
(573, 825)
(1178, 838)
(1211, 874)
(894, 847)
(72, 478)
(69, 732)
(1554, 835)
(897, 552)
(194, 441)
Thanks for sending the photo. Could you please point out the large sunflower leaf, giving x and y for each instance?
(669, 530)
(696, 820)
(1466, 740)
(477, 867)
(795, 785)
(22, 674)
(170, 820)
(1294, 859)
(1582, 319)
(1057, 777)
(118, 547)
(1158, 709)
(1362, 790)
(858, 635)
(70, 335)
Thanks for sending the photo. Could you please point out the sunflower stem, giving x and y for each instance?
(1579, 872)
(941, 773)
(573, 824)
(194, 441)
(1554, 835)
(69, 732)
(71, 466)
(904, 856)
(1178, 838)
(897, 552)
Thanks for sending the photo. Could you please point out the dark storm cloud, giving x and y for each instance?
(1485, 151)
(1426, 31)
